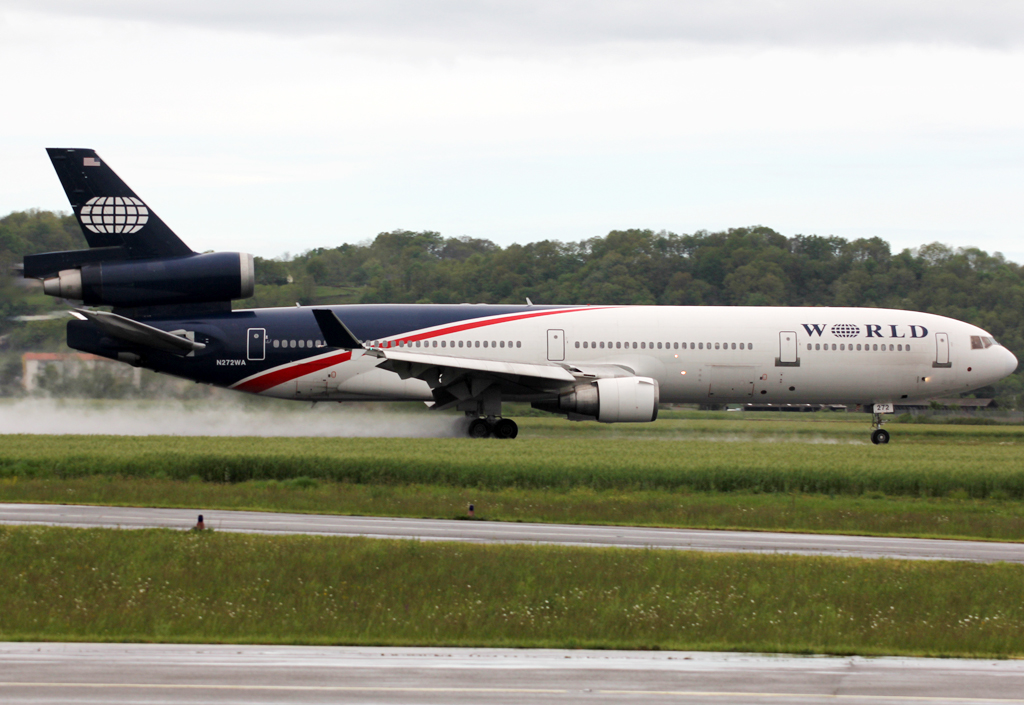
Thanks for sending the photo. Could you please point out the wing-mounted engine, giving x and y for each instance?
(609, 400)
(201, 278)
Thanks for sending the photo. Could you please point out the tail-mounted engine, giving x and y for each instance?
(200, 278)
(616, 399)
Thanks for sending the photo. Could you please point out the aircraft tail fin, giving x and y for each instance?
(110, 213)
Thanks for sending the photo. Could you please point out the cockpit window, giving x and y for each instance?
(979, 342)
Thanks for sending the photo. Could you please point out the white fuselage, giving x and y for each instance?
(705, 354)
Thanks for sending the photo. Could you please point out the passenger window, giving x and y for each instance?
(676, 345)
(750, 346)
(643, 346)
(650, 345)
(691, 346)
(519, 343)
(858, 346)
(700, 345)
(734, 346)
(277, 343)
(891, 348)
(618, 345)
(494, 344)
(460, 343)
(443, 343)
(503, 343)
(602, 343)
(659, 346)
(485, 343)
(907, 348)
(634, 346)
(842, 346)
(593, 345)
(741, 346)
(809, 346)
(476, 343)
(876, 346)
(586, 344)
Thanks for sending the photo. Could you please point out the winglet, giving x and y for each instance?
(336, 333)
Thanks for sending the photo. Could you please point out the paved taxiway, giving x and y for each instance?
(512, 532)
(177, 673)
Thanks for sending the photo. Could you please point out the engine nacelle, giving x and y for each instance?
(612, 400)
(217, 276)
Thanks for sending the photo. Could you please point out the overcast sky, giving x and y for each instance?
(276, 127)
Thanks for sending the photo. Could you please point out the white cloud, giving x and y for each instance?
(986, 23)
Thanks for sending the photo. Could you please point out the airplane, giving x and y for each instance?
(171, 312)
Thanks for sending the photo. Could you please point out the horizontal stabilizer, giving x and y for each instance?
(139, 333)
(336, 333)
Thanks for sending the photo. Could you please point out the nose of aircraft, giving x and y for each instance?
(1009, 363)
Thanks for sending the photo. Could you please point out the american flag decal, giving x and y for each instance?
(90, 161)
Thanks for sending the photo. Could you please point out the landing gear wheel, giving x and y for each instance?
(505, 428)
(879, 436)
(479, 428)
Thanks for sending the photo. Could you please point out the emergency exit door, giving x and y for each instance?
(556, 345)
(257, 343)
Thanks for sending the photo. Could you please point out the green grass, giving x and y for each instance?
(991, 469)
(868, 514)
(158, 585)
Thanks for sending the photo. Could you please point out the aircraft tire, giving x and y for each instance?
(505, 428)
(479, 428)
(879, 436)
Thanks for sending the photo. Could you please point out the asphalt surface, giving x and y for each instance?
(512, 532)
(175, 673)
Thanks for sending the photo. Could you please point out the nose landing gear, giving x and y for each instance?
(499, 428)
(879, 436)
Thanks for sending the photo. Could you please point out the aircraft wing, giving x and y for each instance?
(458, 380)
(411, 364)
(139, 333)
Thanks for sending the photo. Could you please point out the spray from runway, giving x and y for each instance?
(176, 418)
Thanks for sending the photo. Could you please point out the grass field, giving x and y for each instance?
(771, 472)
(968, 466)
(97, 584)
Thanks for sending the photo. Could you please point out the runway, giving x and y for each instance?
(513, 532)
(176, 673)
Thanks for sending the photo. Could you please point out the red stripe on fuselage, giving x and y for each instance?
(281, 375)
(492, 321)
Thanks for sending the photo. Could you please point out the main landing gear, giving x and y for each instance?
(490, 426)
(879, 436)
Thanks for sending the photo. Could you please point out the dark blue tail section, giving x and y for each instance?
(110, 213)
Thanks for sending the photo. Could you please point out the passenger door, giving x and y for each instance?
(787, 350)
(257, 343)
(942, 351)
(556, 345)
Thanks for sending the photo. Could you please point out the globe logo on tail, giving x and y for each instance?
(114, 214)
